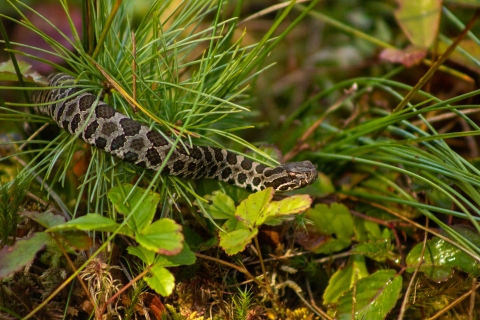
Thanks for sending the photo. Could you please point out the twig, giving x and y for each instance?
(275, 258)
(72, 266)
(403, 308)
(231, 265)
(36, 133)
(128, 285)
(437, 64)
(267, 283)
(354, 292)
(332, 257)
(319, 311)
(471, 311)
(445, 116)
(298, 291)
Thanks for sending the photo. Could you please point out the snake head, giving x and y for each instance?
(292, 175)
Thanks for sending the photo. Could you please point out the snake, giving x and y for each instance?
(98, 124)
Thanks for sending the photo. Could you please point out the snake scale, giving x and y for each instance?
(131, 141)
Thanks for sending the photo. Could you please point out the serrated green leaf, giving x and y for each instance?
(161, 280)
(92, 222)
(375, 296)
(366, 230)
(250, 209)
(186, 257)
(235, 193)
(379, 250)
(335, 219)
(21, 253)
(143, 216)
(236, 241)
(343, 279)
(147, 256)
(164, 236)
(334, 224)
(439, 260)
(288, 206)
(233, 224)
(221, 206)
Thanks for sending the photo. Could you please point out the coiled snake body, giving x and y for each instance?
(117, 134)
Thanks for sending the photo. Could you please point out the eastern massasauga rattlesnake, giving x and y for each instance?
(115, 133)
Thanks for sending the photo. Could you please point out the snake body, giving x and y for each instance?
(100, 125)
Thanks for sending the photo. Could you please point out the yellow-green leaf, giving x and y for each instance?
(146, 204)
(163, 236)
(419, 20)
(236, 241)
(161, 280)
(290, 205)
(221, 206)
(250, 209)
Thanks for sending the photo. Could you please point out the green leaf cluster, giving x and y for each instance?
(338, 228)
(242, 222)
(157, 240)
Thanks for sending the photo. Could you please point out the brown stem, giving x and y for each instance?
(72, 266)
(264, 271)
(403, 308)
(231, 265)
(128, 285)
